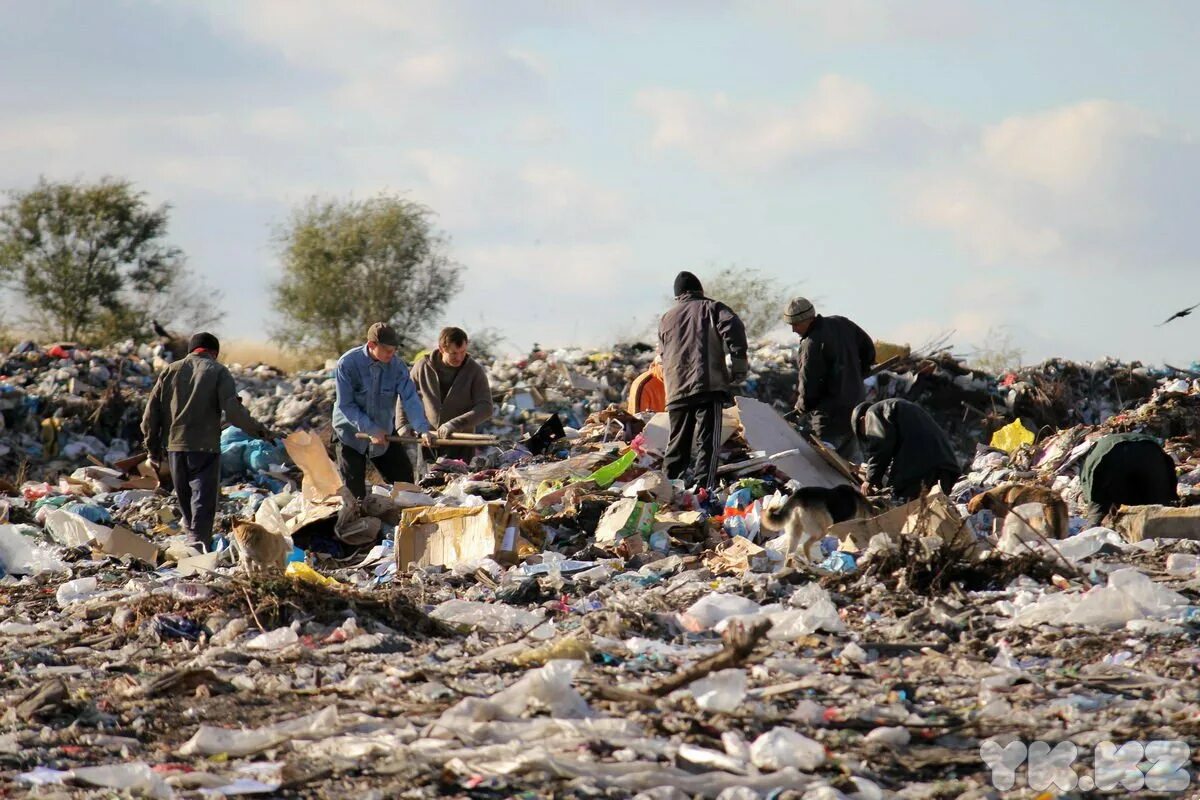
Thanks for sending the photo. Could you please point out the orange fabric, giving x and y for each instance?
(648, 392)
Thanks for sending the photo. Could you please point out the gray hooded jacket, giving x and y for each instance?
(693, 337)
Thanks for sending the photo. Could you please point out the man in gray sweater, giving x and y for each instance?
(182, 423)
(454, 391)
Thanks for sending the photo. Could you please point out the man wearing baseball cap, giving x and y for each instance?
(182, 423)
(835, 356)
(370, 379)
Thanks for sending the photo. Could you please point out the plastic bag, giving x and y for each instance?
(493, 618)
(136, 777)
(780, 748)
(277, 639)
(21, 555)
(300, 570)
(76, 591)
(210, 740)
(1011, 437)
(604, 476)
(72, 530)
(711, 609)
(720, 691)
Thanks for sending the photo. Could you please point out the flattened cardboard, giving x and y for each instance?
(124, 542)
(321, 478)
(763, 429)
(658, 429)
(439, 536)
(1136, 523)
(933, 515)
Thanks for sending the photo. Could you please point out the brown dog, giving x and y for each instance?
(1008, 496)
(259, 550)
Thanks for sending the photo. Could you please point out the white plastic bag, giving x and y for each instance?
(72, 530)
(720, 691)
(21, 555)
(706, 612)
(210, 740)
(780, 748)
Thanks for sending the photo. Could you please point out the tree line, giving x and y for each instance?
(92, 263)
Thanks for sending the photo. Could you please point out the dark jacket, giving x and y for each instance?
(900, 436)
(468, 401)
(1149, 458)
(186, 405)
(693, 337)
(834, 357)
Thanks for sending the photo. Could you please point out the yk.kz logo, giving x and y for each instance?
(1157, 766)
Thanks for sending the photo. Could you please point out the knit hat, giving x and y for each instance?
(687, 282)
(204, 341)
(799, 310)
(384, 334)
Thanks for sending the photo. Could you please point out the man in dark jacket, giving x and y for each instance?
(835, 356)
(1128, 469)
(454, 390)
(904, 448)
(183, 423)
(693, 338)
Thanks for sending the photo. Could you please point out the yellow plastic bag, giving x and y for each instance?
(301, 571)
(1011, 437)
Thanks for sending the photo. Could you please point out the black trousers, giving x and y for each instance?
(911, 490)
(695, 440)
(393, 465)
(197, 478)
(1132, 474)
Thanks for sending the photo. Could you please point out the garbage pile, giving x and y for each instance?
(557, 619)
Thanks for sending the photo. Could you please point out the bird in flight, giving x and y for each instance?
(1178, 315)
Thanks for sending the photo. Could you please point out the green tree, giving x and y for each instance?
(756, 298)
(347, 264)
(83, 254)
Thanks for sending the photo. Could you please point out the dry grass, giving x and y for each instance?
(248, 352)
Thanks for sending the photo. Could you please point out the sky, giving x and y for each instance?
(1024, 170)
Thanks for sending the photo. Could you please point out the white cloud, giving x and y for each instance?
(1088, 184)
(839, 116)
(537, 200)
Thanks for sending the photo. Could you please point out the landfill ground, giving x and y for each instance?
(621, 636)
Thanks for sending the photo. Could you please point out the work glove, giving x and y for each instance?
(740, 369)
(445, 430)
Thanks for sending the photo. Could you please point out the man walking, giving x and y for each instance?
(835, 355)
(693, 338)
(183, 423)
(905, 448)
(370, 379)
(454, 391)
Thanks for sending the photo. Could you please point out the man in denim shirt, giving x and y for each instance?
(369, 379)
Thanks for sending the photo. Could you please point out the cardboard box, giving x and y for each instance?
(440, 536)
(1136, 523)
(932, 515)
(626, 517)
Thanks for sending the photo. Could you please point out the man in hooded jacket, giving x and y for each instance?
(694, 337)
(905, 448)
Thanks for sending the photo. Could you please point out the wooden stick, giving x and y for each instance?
(436, 442)
(739, 644)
